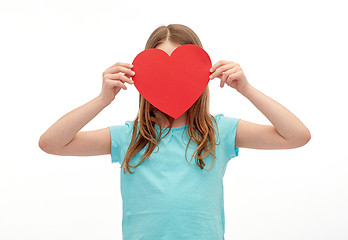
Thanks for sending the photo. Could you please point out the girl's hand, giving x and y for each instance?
(230, 73)
(113, 80)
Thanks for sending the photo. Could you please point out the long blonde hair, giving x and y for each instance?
(199, 121)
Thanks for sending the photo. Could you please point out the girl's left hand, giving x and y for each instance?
(230, 73)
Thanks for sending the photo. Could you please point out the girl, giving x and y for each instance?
(167, 196)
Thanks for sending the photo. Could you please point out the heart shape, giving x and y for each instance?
(172, 83)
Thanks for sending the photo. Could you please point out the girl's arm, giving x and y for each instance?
(64, 138)
(287, 130)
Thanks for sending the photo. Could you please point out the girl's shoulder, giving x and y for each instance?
(227, 129)
(221, 119)
(121, 130)
(226, 125)
(218, 116)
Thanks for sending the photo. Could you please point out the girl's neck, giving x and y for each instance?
(180, 121)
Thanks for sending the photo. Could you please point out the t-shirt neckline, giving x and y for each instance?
(172, 129)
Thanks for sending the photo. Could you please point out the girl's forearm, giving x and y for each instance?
(65, 128)
(284, 121)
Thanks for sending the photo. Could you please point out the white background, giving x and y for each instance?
(53, 54)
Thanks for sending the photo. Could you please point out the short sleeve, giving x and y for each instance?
(120, 138)
(227, 133)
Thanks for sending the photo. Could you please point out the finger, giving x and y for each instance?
(130, 77)
(121, 77)
(231, 78)
(223, 79)
(226, 76)
(121, 64)
(120, 69)
(120, 84)
(220, 76)
(127, 71)
(221, 69)
(218, 64)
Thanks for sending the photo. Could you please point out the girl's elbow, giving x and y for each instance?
(304, 138)
(298, 140)
(46, 146)
(43, 144)
(307, 136)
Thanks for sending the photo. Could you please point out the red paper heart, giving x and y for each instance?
(172, 83)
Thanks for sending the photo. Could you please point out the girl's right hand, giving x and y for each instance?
(113, 80)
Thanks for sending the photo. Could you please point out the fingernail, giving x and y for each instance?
(131, 65)
(211, 69)
(133, 72)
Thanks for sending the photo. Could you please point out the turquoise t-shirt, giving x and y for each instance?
(166, 198)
